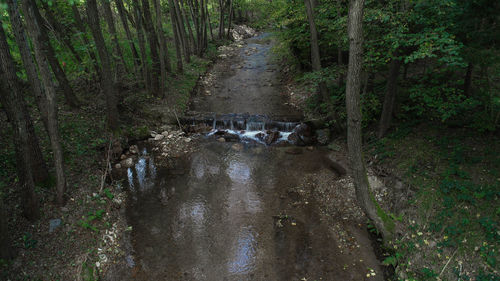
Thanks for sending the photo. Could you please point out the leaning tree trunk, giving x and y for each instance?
(121, 65)
(177, 39)
(146, 73)
(315, 58)
(354, 138)
(50, 54)
(40, 171)
(163, 54)
(15, 107)
(390, 97)
(153, 47)
(107, 70)
(130, 39)
(42, 51)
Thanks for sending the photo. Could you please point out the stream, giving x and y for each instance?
(229, 210)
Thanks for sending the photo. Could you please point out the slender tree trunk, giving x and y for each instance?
(192, 44)
(340, 59)
(315, 57)
(130, 39)
(390, 97)
(107, 70)
(6, 251)
(468, 79)
(177, 40)
(81, 28)
(182, 32)
(153, 47)
(121, 65)
(163, 54)
(62, 80)
(354, 137)
(39, 167)
(221, 19)
(230, 15)
(142, 46)
(15, 107)
(42, 49)
(209, 22)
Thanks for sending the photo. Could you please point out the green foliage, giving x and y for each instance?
(28, 241)
(88, 222)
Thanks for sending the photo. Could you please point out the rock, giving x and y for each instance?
(159, 137)
(310, 148)
(221, 139)
(153, 134)
(165, 133)
(127, 163)
(118, 166)
(323, 136)
(54, 224)
(271, 137)
(64, 209)
(130, 261)
(301, 135)
(133, 149)
(231, 137)
(187, 140)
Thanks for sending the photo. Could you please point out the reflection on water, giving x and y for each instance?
(244, 257)
(142, 176)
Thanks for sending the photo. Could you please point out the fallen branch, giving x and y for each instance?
(447, 262)
(103, 178)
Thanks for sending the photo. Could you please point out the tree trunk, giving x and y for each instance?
(130, 39)
(354, 138)
(192, 44)
(315, 58)
(142, 46)
(6, 250)
(221, 19)
(468, 79)
(177, 40)
(121, 65)
(209, 23)
(41, 49)
(340, 59)
(153, 47)
(163, 54)
(81, 28)
(50, 54)
(230, 15)
(107, 70)
(40, 171)
(390, 97)
(182, 32)
(15, 107)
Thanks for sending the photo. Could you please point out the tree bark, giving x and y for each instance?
(153, 47)
(315, 57)
(107, 70)
(50, 54)
(41, 49)
(390, 97)
(182, 32)
(163, 54)
(208, 22)
(17, 112)
(177, 39)
(468, 79)
(230, 15)
(130, 39)
(6, 250)
(121, 65)
(221, 19)
(40, 171)
(142, 45)
(354, 136)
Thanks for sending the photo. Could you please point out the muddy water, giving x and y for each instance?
(226, 211)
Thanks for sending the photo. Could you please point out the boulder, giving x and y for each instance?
(127, 163)
(302, 135)
(271, 137)
(159, 137)
(133, 149)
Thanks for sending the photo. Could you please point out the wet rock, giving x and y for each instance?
(54, 224)
(301, 135)
(323, 136)
(187, 140)
(127, 163)
(271, 137)
(118, 166)
(221, 139)
(231, 137)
